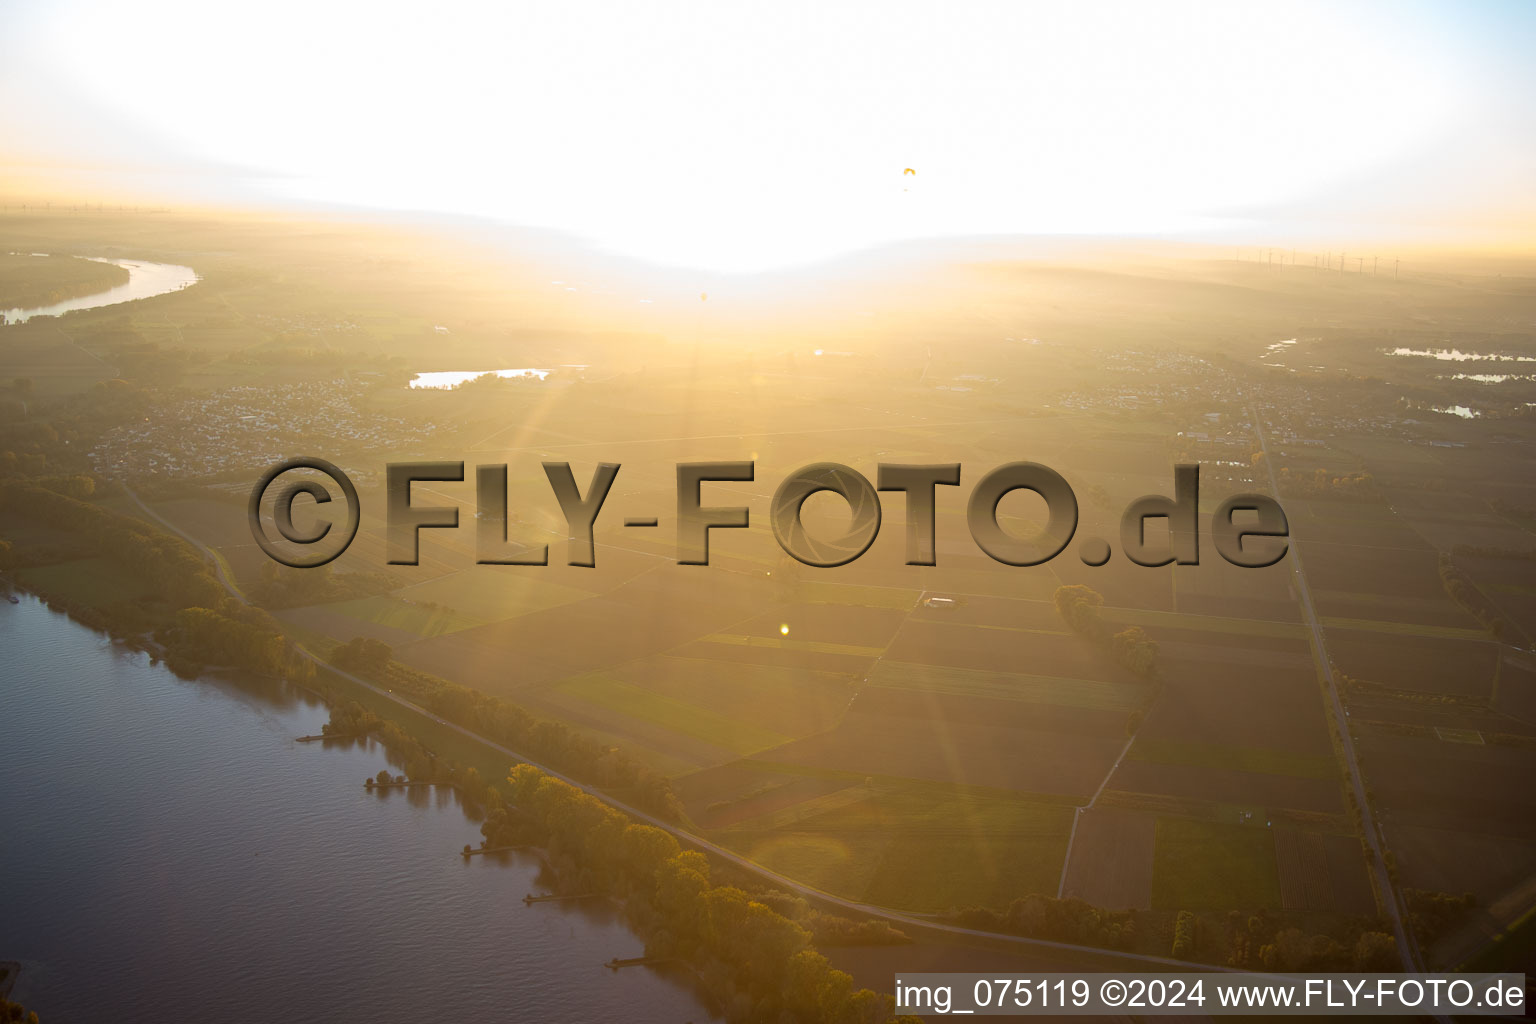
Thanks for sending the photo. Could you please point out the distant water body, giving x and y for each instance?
(145, 281)
(1456, 355)
(447, 379)
(168, 852)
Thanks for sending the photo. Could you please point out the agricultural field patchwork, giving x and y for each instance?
(932, 737)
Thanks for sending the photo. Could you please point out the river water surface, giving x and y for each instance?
(145, 281)
(168, 852)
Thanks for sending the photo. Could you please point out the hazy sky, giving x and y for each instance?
(736, 136)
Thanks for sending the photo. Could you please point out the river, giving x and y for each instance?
(145, 281)
(169, 852)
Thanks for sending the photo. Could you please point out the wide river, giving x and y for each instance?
(168, 852)
(145, 281)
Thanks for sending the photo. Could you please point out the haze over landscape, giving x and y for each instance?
(735, 138)
(1291, 246)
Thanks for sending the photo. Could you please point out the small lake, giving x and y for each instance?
(145, 281)
(170, 853)
(445, 379)
(1456, 410)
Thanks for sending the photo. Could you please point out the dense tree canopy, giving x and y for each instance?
(1079, 605)
(754, 961)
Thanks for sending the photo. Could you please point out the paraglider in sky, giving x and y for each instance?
(703, 296)
(909, 171)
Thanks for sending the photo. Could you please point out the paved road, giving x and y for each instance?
(1406, 948)
(1099, 959)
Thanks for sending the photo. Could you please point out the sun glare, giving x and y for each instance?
(767, 137)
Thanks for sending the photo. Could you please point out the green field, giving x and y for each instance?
(1405, 628)
(1076, 693)
(916, 805)
(1201, 865)
(1513, 949)
(622, 699)
(405, 615)
(791, 701)
(916, 845)
(490, 596)
(793, 814)
(1241, 759)
(1152, 618)
(787, 643)
(814, 592)
(925, 874)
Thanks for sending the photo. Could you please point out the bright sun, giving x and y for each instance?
(737, 137)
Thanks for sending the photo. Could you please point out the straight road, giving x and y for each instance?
(1406, 948)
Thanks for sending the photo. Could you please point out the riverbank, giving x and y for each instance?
(229, 873)
(348, 724)
(73, 289)
(33, 281)
(426, 703)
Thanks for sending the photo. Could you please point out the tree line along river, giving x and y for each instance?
(170, 852)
